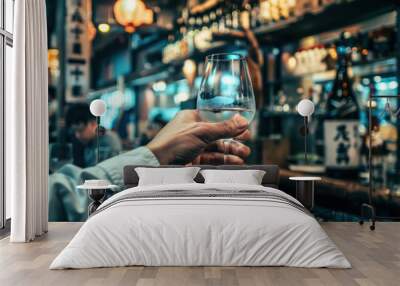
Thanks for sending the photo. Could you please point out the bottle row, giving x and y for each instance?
(361, 47)
(235, 15)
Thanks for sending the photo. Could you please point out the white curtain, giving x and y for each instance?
(27, 124)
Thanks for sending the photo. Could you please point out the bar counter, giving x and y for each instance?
(344, 195)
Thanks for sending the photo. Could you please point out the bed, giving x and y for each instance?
(197, 224)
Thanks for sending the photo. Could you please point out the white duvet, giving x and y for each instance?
(200, 231)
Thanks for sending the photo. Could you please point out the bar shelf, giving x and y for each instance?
(332, 17)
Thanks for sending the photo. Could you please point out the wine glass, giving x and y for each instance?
(226, 90)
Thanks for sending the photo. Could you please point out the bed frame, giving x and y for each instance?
(270, 179)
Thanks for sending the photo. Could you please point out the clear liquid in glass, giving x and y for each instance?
(222, 114)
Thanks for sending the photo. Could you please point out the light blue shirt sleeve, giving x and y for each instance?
(67, 203)
(112, 169)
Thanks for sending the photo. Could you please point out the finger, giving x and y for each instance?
(239, 149)
(217, 146)
(226, 129)
(211, 158)
(196, 161)
(245, 136)
(233, 160)
(234, 148)
(216, 158)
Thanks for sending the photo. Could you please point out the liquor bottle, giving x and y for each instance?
(255, 15)
(366, 53)
(235, 18)
(342, 141)
(383, 42)
(206, 23)
(292, 8)
(199, 23)
(356, 49)
(185, 15)
(303, 7)
(265, 12)
(191, 24)
(228, 21)
(245, 20)
(275, 11)
(214, 22)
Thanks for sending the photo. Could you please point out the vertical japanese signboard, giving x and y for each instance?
(78, 49)
(341, 144)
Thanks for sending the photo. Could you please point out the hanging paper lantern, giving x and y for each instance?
(132, 14)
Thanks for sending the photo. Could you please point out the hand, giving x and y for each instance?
(187, 139)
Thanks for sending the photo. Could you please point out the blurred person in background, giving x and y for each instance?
(125, 127)
(154, 126)
(53, 106)
(84, 127)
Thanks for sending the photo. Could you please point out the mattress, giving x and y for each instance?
(201, 225)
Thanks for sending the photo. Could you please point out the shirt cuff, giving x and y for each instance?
(114, 167)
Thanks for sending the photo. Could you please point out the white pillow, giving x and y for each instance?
(248, 177)
(166, 176)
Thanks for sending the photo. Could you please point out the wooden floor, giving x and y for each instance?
(375, 257)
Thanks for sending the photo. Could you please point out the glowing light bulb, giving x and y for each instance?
(98, 107)
(104, 28)
(305, 107)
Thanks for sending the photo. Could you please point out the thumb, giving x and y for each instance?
(226, 129)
